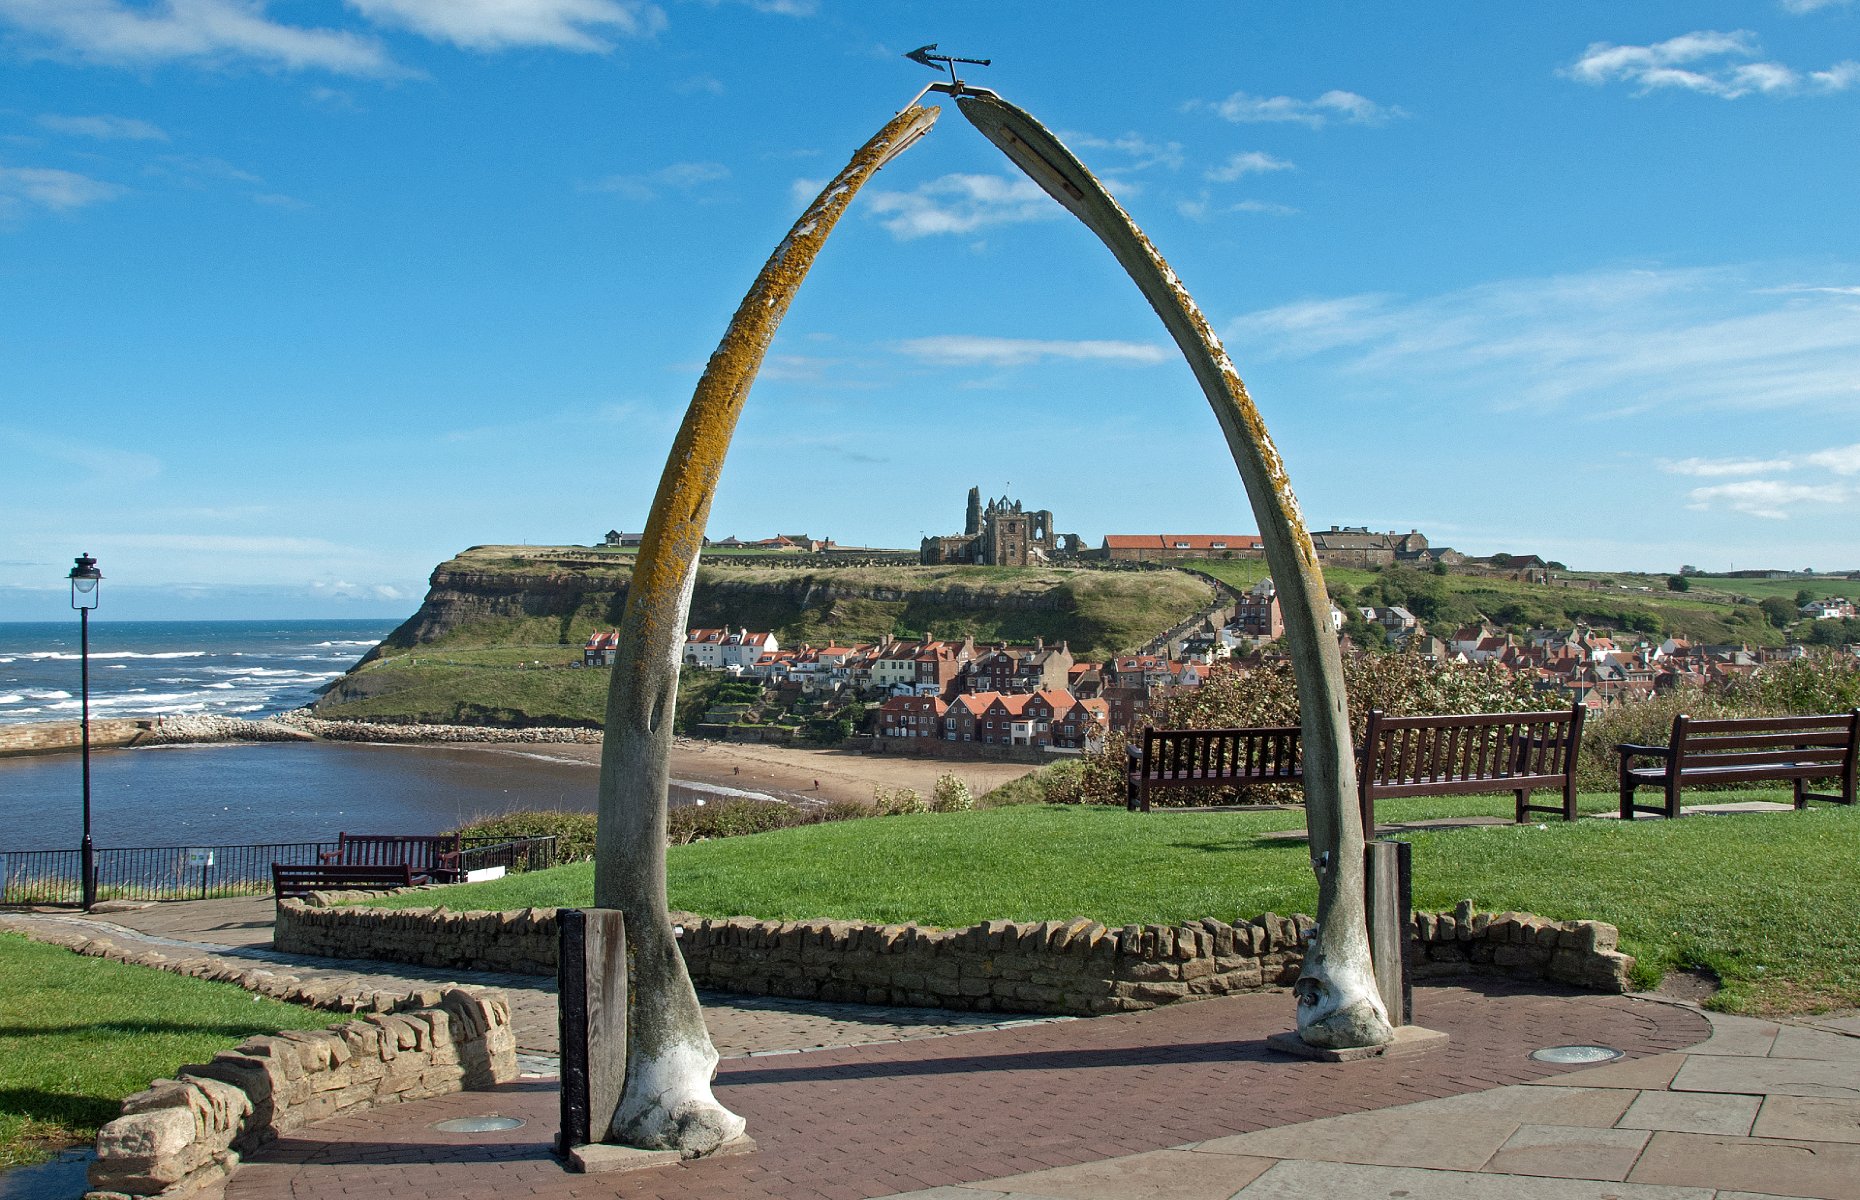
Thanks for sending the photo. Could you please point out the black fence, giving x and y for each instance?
(204, 872)
(524, 854)
(149, 872)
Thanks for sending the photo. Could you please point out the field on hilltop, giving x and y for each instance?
(1714, 610)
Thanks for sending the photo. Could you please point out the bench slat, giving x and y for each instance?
(1739, 724)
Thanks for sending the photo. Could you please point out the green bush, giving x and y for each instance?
(951, 794)
(734, 818)
(897, 801)
(573, 831)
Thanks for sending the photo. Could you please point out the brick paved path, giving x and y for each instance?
(875, 1120)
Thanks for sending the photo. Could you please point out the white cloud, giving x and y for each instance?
(24, 188)
(1202, 208)
(1141, 151)
(1766, 498)
(1707, 61)
(581, 25)
(199, 30)
(1604, 342)
(1708, 467)
(1253, 162)
(961, 204)
(709, 85)
(1334, 105)
(1842, 460)
(677, 177)
(779, 8)
(104, 128)
(962, 350)
(1801, 7)
(100, 461)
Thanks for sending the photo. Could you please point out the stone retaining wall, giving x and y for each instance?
(50, 737)
(185, 1133)
(1074, 967)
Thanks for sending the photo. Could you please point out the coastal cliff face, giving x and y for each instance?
(500, 595)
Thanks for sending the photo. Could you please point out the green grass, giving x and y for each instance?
(79, 1034)
(1765, 900)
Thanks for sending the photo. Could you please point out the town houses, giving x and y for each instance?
(958, 690)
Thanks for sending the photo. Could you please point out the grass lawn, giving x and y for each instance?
(78, 1034)
(1765, 900)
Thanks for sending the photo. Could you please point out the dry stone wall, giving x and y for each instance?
(185, 1133)
(1077, 967)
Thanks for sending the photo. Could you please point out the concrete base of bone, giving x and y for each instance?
(1410, 1040)
(603, 1159)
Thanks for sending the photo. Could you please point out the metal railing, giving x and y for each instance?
(150, 872)
(522, 854)
(204, 872)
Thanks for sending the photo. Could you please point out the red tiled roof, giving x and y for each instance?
(1167, 541)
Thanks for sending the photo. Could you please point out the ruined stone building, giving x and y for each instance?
(1002, 535)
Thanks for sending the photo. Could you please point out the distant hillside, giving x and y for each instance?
(1714, 610)
(500, 624)
(510, 595)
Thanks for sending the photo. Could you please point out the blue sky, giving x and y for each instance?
(298, 298)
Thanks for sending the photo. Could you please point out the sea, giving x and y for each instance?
(244, 793)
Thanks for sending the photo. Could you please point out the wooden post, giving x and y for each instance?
(592, 1002)
(1388, 887)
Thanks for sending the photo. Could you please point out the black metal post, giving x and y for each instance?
(88, 864)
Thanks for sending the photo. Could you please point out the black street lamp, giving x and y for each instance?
(84, 595)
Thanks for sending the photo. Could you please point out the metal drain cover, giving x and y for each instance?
(1577, 1054)
(478, 1124)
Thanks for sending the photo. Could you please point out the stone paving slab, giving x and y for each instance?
(1825, 1170)
(1817, 1118)
(1569, 1152)
(1769, 1076)
(1693, 1112)
(1348, 1181)
(1157, 1175)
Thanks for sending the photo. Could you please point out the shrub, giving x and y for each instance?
(951, 794)
(573, 831)
(898, 801)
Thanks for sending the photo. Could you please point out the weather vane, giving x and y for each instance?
(941, 62)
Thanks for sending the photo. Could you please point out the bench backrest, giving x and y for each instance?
(1267, 752)
(296, 880)
(420, 851)
(1809, 742)
(1432, 756)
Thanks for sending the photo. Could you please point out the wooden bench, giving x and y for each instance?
(434, 854)
(297, 880)
(1515, 752)
(1744, 750)
(1211, 757)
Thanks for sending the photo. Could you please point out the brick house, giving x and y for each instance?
(1007, 668)
(911, 717)
(1171, 547)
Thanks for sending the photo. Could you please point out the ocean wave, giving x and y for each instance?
(11, 698)
(66, 656)
(55, 694)
(222, 686)
(346, 643)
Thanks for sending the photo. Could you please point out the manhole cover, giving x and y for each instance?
(1577, 1054)
(478, 1124)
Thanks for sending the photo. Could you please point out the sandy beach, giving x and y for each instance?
(790, 772)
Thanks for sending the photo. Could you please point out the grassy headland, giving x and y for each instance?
(494, 641)
(1763, 900)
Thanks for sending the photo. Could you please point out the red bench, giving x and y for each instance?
(1202, 757)
(1516, 752)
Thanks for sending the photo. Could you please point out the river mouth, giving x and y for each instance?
(277, 792)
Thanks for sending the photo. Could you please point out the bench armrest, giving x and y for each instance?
(1631, 749)
(329, 857)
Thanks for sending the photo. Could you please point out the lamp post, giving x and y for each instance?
(84, 595)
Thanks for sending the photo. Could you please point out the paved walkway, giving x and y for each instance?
(966, 1111)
